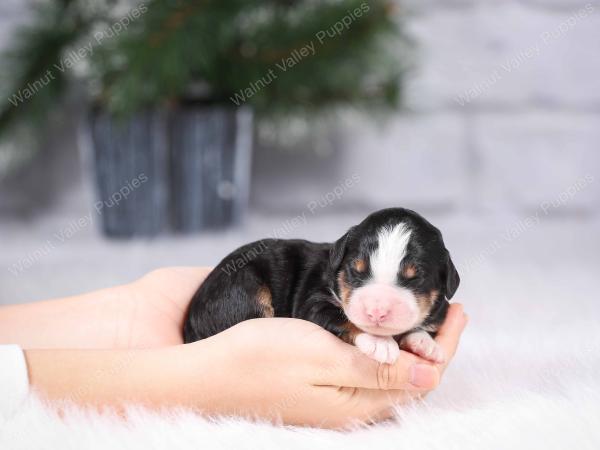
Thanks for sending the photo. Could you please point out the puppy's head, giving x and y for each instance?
(391, 271)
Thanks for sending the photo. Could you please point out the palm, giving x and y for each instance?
(154, 306)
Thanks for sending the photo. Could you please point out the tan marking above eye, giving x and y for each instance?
(360, 265)
(409, 271)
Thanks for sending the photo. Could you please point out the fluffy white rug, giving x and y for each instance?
(527, 376)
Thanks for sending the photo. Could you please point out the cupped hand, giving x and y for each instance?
(286, 369)
(297, 372)
(155, 305)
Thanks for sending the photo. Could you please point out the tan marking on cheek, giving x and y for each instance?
(409, 271)
(360, 265)
(350, 332)
(425, 302)
(431, 327)
(265, 301)
(345, 289)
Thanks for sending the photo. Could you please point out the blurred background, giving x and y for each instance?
(136, 135)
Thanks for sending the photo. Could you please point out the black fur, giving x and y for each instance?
(302, 276)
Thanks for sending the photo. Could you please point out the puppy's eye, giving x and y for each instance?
(409, 271)
(359, 265)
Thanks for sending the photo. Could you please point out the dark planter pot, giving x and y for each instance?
(185, 169)
(210, 149)
(131, 172)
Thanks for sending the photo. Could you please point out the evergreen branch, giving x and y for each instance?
(39, 46)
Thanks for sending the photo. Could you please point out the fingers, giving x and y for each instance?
(177, 284)
(353, 369)
(190, 277)
(370, 389)
(449, 334)
(352, 406)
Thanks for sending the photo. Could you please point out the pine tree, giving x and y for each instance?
(280, 56)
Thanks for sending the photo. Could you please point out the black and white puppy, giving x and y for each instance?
(383, 284)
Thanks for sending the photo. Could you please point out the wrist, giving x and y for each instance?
(110, 378)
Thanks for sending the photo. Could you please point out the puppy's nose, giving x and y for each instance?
(377, 315)
(377, 310)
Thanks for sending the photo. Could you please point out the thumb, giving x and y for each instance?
(354, 369)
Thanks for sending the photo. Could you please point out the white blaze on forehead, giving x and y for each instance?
(385, 260)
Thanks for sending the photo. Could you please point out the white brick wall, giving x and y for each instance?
(523, 137)
(417, 161)
(526, 134)
(12, 13)
(10, 7)
(528, 159)
(507, 54)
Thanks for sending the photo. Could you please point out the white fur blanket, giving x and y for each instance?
(527, 375)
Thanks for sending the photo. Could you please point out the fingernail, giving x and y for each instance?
(423, 376)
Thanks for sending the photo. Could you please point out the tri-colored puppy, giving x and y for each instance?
(384, 283)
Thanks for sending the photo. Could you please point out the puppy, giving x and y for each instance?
(383, 284)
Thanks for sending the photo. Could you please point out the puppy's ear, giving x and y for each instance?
(450, 277)
(338, 250)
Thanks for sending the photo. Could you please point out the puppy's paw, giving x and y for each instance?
(422, 344)
(381, 348)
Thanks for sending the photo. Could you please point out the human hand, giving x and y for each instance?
(157, 304)
(268, 368)
(296, 371)
(274, 369)
(148, 312)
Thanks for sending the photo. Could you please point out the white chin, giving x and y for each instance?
(380, 331)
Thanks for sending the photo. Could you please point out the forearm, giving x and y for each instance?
(113, 378)
(207, 376)
(90, 320)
